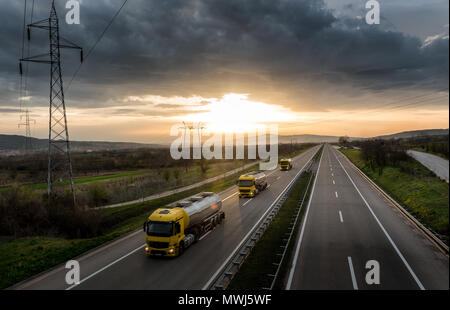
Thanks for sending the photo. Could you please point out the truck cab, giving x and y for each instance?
(285, 164)
(251, 184)
(165, 232)
(247, 186)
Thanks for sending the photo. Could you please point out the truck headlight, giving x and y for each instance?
(170, 251)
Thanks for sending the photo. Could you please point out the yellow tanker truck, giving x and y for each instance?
(250, 184)
(173, 229)
(285, 164)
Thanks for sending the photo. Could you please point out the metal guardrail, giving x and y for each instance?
(230, 270)
(427, 232)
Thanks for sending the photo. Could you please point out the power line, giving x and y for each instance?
(22, 51)
(420, 102)
(95, 44)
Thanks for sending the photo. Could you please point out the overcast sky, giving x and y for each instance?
(312, 66)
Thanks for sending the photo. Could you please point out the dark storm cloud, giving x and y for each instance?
(208, 47)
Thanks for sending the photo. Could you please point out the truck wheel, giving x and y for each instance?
(196, 234)
(181, 249)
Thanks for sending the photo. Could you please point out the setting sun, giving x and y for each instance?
(235, 112)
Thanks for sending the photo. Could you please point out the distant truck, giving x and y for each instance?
(250, 184)
(173, 229)
(285, 164)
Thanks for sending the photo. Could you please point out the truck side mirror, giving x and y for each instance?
(144, 228)
(177, 228)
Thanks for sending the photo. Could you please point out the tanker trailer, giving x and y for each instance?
(173, 229)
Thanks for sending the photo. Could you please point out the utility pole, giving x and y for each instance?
(59, 162)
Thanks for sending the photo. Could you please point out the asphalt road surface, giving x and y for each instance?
(435, 163)
(347, 224)
(123, 265)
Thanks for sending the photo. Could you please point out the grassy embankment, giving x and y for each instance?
(415, 187)
(192, 175)
(253, 273)
(24, 257)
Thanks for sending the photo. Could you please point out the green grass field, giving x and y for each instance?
(419, 191)
(192, 175)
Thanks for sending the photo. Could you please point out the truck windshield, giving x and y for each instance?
(285, 163)
(159, 229)
(245, 183)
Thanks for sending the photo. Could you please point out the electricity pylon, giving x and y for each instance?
(59, 162)
(26, 123)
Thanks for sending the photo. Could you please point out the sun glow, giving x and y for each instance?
(235, 113)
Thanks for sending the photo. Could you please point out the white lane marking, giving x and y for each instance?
(209, 231)
(333, 182)
(340, 216)
(332, 174)
(271, 172)
(229, 196)
(384, 231)
(278, 177)
(247, 202)
(336, 194)
(352, 272)
(206, 286)
(268, 186)
(297, 249)
(106, 267)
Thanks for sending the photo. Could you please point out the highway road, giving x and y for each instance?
(348, 223)
(435, 163)
(122, 264)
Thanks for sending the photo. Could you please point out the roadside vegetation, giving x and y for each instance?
(37, 232)
(253, 274)
(407, 181)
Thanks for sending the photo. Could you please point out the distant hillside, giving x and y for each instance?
(334, 139)
(415, 133)
(311, 139)
(12, 144)
(15, 144)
